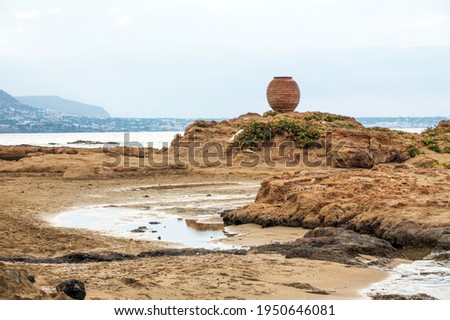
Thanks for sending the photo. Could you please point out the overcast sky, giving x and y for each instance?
(204, 58)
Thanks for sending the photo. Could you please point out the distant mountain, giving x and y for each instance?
(6, 98)
(11, 107)
(64, 106)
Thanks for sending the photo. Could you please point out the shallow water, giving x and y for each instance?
(185, 218)
(122, 221)
(421, 276)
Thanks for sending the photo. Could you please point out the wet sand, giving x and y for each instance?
(28, 201)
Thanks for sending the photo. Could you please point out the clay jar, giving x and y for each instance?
(283, 94)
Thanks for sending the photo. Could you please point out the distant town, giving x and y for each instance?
(64, 123)
(51, 114)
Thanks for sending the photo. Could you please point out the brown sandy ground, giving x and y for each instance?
(25, 200)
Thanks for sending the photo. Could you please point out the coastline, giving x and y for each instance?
(377, 192)
(254, 276)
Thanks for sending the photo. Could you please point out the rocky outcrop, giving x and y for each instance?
(365, 148)
(333, 244)
(406, 206)
(338, 141)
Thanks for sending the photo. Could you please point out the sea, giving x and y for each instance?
(90, 139)
(158, 139)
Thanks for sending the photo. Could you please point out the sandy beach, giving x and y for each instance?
(27, 201)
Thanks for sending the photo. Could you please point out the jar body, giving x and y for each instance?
(283, 94)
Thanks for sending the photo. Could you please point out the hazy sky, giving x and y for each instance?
(204, 58)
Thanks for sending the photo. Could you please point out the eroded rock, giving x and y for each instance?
(332, 244)
(405, 207)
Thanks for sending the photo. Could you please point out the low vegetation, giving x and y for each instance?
(439, 165)
(431, 144)
(255, 133)
(327, 117)
(438, 138)
(270, 113)
(413, 151)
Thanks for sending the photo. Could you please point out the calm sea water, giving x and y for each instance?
(89, 139)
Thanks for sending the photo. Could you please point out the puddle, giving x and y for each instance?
(131, 223)
(185, 215)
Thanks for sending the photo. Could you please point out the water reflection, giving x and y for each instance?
(201, 226)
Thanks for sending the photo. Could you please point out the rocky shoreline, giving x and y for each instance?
(381, 191)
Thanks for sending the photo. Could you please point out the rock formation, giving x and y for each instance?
(406, 206)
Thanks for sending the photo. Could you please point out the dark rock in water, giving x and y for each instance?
(140, 229)
(159, 238)
(332, 244)
(418, 296)
(209, 195)
(85, 142)
(73, 288)
(146, 196)
(154, 222)
(31, 278)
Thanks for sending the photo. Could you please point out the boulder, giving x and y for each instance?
(75, 289)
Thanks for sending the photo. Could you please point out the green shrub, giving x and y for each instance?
(432, 165)
(255, 133)
(312, 116)
(413, 151)
(298, 131)
(447, 149)
(331, 118)
(430, 132)
(346, 125)
(431, 144)
(270, 113)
